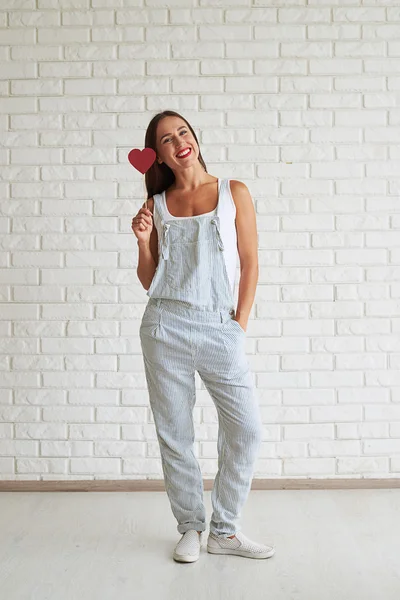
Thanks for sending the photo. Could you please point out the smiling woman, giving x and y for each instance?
(190, 324)
(169, 134)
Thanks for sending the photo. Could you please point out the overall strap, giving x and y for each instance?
(157, 211)
(161, 207)
(215, 221)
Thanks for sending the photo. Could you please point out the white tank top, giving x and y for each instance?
(227, 215)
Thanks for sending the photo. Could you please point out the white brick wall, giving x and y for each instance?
(301, 101)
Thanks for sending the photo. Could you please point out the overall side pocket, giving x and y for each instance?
(238, 326)
(150, 322)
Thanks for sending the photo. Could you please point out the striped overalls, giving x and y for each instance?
(188, 326)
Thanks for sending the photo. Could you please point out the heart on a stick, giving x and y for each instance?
(142, 159)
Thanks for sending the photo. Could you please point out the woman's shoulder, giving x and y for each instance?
(239, 192)
(241, 198)
(237, 187)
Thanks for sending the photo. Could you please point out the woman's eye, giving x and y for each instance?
(183, 131)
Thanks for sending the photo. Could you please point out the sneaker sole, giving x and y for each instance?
(239, 552)
(185, 557)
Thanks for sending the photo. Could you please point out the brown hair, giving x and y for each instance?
(159, 177)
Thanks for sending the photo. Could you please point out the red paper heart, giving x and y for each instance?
(142, 159)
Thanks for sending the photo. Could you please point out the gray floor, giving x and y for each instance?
(330, 544)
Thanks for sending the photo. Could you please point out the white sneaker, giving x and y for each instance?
(239, 545)
(188, 547)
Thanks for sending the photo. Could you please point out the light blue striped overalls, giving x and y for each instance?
(188, 326)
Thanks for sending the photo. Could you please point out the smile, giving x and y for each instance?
(184, 153)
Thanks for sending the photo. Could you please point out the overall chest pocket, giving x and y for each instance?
(187, 265)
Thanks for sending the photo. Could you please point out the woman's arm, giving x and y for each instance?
(247, 243)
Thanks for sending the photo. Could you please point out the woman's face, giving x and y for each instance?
(174, 136)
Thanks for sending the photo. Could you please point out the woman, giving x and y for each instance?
(187, 264)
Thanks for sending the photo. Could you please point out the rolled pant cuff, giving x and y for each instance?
(198, 525)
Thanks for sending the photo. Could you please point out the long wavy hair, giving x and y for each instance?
(160, 177)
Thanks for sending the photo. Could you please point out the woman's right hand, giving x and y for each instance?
(142, 224)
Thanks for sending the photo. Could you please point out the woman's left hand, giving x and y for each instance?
(241, 325)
